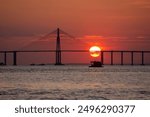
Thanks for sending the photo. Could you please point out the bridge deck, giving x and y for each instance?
(122, 56)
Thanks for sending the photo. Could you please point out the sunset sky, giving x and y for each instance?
(110, 24)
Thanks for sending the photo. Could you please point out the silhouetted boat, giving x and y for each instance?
(1, 64)
(96, 64)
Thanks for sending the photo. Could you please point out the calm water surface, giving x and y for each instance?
(74, 82)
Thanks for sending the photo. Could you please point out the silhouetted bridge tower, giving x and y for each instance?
(58, 45)
(58, 49)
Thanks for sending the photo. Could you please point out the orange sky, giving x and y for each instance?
(112, 24)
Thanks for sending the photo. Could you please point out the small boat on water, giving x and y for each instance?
(96, 64)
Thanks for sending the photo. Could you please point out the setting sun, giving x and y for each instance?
(95, 51)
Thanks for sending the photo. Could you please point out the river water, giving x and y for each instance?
(74, 82)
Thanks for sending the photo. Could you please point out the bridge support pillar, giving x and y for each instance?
(142, 58)
(102, 57)
(132, 58)
(121, 57)
(112, 58)
(5, 58)
(15, 58)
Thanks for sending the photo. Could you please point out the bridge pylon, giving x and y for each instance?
(58, 49)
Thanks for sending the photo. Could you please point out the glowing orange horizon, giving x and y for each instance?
(95, 51)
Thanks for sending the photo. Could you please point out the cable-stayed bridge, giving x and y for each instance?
(58, 51)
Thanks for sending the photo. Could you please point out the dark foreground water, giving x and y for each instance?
(74, 82)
